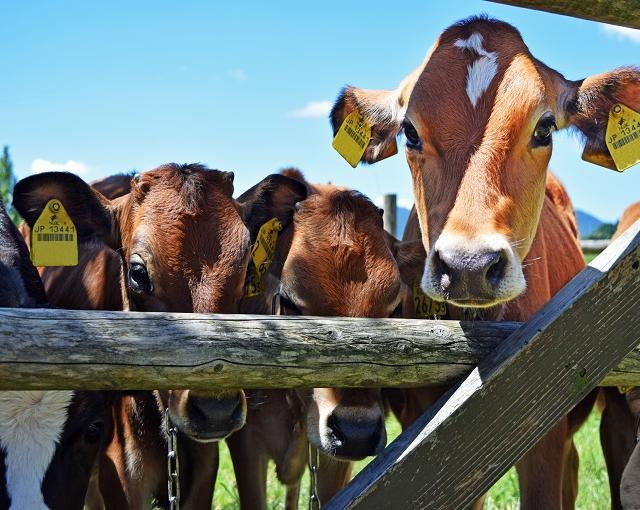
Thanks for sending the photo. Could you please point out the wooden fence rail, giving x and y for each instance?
(68, 349)
(618, 12)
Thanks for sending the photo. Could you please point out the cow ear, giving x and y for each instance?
(591, 101)
(410, 256)
(273, 197)
(382, 110)
(91, 213)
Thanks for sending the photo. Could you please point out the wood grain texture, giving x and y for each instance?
(471, 436)
(69, 349)
(618, 12)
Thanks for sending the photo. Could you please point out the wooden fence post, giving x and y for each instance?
(472, 435)
(390, 213)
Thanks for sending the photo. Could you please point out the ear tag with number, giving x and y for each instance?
(353, 137)
(262, 254)
(424, 306)
(623, 136)
(622, 139)
(54, 240)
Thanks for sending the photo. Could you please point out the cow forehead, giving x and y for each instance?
(487, 73)
(31, 423)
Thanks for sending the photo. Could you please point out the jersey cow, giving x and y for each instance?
(334, 260)
(478, 117)
(184, 245)
(49, 440)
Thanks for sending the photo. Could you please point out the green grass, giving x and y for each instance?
(588, 257)
(593, 493)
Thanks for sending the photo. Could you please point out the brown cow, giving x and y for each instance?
(185, 245)
(49, 440)
(478, 117)
(334, 260)
(630, 481)
(618, 426)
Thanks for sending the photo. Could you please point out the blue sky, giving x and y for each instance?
(99, 88)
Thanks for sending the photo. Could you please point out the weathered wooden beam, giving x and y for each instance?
(68, 349)
(471, 436)
(618, 12)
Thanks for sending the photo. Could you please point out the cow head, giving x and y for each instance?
(185, 246)
(339, 244)
(478, 117)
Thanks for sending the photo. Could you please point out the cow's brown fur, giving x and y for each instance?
(483, 199)
(335, 260)
(182, 222)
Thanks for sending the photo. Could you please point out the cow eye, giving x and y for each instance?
(137, 276)
(397, 312)
(288, 307)
(410, 133)
(94, 432)
(544, 129)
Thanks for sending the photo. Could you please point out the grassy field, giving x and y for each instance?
(593, 494)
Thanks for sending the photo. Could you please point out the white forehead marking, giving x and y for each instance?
(482, 71)
(30, 426)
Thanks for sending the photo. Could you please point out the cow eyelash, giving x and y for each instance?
(285, 302)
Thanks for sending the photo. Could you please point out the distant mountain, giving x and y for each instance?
(587, 223)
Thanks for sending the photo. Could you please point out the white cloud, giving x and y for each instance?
(237, 74)
(621, 32)
(40, 165)
(313, 109)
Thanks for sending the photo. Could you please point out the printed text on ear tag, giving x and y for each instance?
(54, 240)
(262, 255)
(623, 136)
(425, 307)
(352, 138)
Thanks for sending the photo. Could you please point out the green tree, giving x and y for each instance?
(604, 231)
(7, 182)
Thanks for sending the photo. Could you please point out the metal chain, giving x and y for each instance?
(173, 463)
(314, 462)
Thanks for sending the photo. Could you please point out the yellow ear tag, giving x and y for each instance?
(262, 254)
(54, 241)
(424, 306)
(623, 136)
(353, 137)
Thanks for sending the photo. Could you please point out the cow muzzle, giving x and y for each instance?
(347, 432)
(208, 416)
(478, 272)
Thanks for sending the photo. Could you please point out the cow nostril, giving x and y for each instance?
(495, 268)
(442, 270)
(332, 423)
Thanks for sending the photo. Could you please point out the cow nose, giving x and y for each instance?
(215, 418)
(466, 275)
(356, 437)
